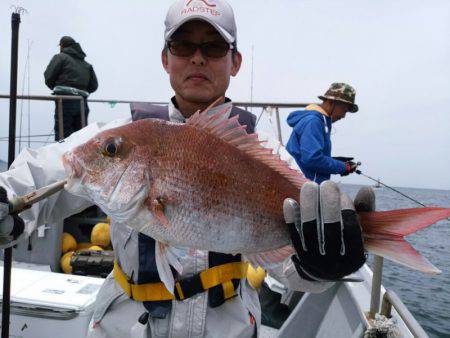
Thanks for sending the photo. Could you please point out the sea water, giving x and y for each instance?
(426, 296)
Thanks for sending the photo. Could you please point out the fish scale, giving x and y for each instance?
(177, 187)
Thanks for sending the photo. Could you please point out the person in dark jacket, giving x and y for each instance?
(69, 74)
(310, 142)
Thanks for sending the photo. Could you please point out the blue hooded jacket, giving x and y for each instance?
(310, 144)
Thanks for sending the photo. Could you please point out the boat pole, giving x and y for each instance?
(277, 114)
(376, 286)
(7, 256)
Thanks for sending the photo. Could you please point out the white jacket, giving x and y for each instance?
(115, 314)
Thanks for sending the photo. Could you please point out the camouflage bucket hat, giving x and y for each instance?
(342, 92)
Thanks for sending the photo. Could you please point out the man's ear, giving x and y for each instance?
(165, 60)
(237, 61)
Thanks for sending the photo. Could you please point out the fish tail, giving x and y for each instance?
(384, 231)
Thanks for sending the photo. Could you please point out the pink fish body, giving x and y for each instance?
(205, 184)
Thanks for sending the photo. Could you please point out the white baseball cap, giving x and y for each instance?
(218, 13)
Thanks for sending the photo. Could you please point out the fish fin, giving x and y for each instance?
(402, 222)
(157, 208)
(384, 231)
(230, 131)
(269, 258)
(400, 251)
(163, 266)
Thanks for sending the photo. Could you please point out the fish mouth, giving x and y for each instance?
(73, 170)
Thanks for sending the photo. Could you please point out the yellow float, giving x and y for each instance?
(100, 235)
(68, 243)
(65, 262)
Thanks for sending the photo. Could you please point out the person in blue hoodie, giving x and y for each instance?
(310, 142)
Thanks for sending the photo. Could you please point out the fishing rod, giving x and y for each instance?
(359, 172)
(399, 192)
(7, 254)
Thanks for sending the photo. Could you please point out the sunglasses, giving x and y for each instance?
(213, 49)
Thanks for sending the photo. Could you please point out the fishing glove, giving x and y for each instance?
(350, 167)
(325, 231)
(10, 225)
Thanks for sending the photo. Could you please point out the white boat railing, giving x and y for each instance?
(264, 106)
(59, 106)
(390, 299)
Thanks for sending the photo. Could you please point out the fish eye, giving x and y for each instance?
(111, 147)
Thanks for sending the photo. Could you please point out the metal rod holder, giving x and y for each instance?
(386, 306)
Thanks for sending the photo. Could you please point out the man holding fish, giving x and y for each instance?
(179, 214)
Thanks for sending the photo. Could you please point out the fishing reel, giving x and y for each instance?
(349, 160)
(357, 170)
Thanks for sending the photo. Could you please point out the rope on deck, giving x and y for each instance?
(383, 327)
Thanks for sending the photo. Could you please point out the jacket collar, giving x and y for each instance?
(317, 108)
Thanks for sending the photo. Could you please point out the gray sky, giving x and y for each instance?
(395, 53)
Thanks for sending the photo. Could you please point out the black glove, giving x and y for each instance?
(10, 225)
(350, 168)
(325, 232)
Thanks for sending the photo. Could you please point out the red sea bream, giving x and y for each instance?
(208, 185)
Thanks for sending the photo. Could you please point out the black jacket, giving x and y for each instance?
(68, 68)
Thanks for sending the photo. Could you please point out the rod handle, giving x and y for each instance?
(21, 203)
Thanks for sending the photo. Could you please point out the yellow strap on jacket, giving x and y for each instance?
(209, 278)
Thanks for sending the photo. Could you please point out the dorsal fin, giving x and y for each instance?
(229, 130)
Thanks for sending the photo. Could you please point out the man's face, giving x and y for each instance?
(199, 79)
(340, 110)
